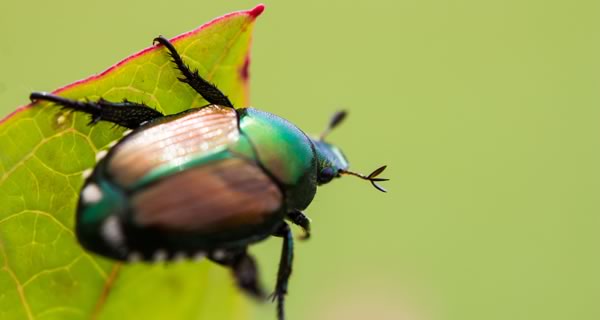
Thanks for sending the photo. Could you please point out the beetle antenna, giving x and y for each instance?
(371, 177)
(336, 119)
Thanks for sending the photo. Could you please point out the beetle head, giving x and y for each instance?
(330, 160)
(332, 163)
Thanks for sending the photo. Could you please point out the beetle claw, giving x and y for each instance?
(305, 236)
(157, 40)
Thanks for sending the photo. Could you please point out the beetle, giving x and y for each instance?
(205, 182)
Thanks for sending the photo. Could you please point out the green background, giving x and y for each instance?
(486, 113)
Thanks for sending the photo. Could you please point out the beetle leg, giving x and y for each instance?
(207, 90)
(285, 268)
(298, 218)
(126, 114)
(244, 270)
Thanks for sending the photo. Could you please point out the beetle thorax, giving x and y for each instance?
(285, 152)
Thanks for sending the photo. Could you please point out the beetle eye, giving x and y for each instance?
(326, 175)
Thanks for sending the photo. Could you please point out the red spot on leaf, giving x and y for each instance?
(244, 70)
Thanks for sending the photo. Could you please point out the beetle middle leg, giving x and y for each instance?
(298, 218)
(126, 114)
(285, 268)
(207, 90)
(244, 270)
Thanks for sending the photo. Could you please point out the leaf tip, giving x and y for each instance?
(257, 11)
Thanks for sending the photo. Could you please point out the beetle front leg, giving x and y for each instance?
(285, 268)
(298, 218)
(244, 270)
(207, 90)
(126, 114)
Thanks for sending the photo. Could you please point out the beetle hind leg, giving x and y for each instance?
(244, 270)
(285, 268)
(207, 90)
(126, 114)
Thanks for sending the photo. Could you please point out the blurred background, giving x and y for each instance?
(486, 113)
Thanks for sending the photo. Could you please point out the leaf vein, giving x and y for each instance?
(47, 271)
(17, 283)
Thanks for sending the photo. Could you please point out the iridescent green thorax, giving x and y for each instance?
(285, 152)
(329, 156)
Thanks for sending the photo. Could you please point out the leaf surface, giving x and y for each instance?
(44, 273)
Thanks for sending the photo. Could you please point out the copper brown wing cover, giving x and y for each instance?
(213, 196)
(173, 141)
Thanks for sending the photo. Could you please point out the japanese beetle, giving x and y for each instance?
(208, 181)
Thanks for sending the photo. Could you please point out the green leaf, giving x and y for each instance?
(44, 273)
